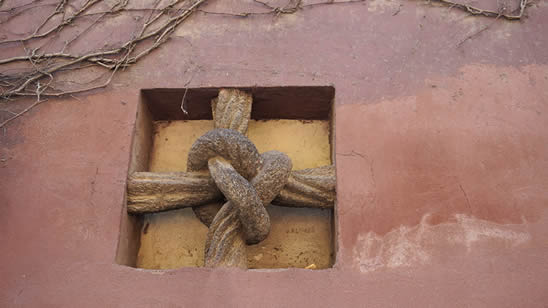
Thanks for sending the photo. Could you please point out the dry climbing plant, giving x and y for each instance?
(48, 52)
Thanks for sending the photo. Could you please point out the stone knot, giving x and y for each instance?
(249, 181)
(224, 162)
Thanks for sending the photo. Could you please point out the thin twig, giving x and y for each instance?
(58, 10)
(16, 11)
(22, 112)
(183, 101)
(287, 9)
(478, 32)
(477, 11)
(162, 34)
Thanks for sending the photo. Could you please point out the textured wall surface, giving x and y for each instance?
(442, 163)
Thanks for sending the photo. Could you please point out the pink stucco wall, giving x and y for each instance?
(442, 163)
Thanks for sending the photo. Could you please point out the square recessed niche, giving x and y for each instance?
(295, 120)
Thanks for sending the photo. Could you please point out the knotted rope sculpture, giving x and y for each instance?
(224, 161)
(249, 181)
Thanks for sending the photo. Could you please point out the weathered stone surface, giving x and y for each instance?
(313, 187)
(153, 192)
(232, 109)
(242, 194)
(225, 243)
(244, 217)
(229, 144)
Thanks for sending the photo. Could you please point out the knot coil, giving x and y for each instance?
(249, 181)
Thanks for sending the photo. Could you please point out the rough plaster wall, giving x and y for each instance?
(406, 137)
(467, 168)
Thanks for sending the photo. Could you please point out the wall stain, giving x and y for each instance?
(413, 246)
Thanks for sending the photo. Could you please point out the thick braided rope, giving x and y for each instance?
(249, 181)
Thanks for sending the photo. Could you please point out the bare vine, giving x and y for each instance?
(487, 13)
(35, 72)
(38, 79)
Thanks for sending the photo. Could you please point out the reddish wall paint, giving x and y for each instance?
(442, 163)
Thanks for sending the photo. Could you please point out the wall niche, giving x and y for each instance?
(295, 120)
